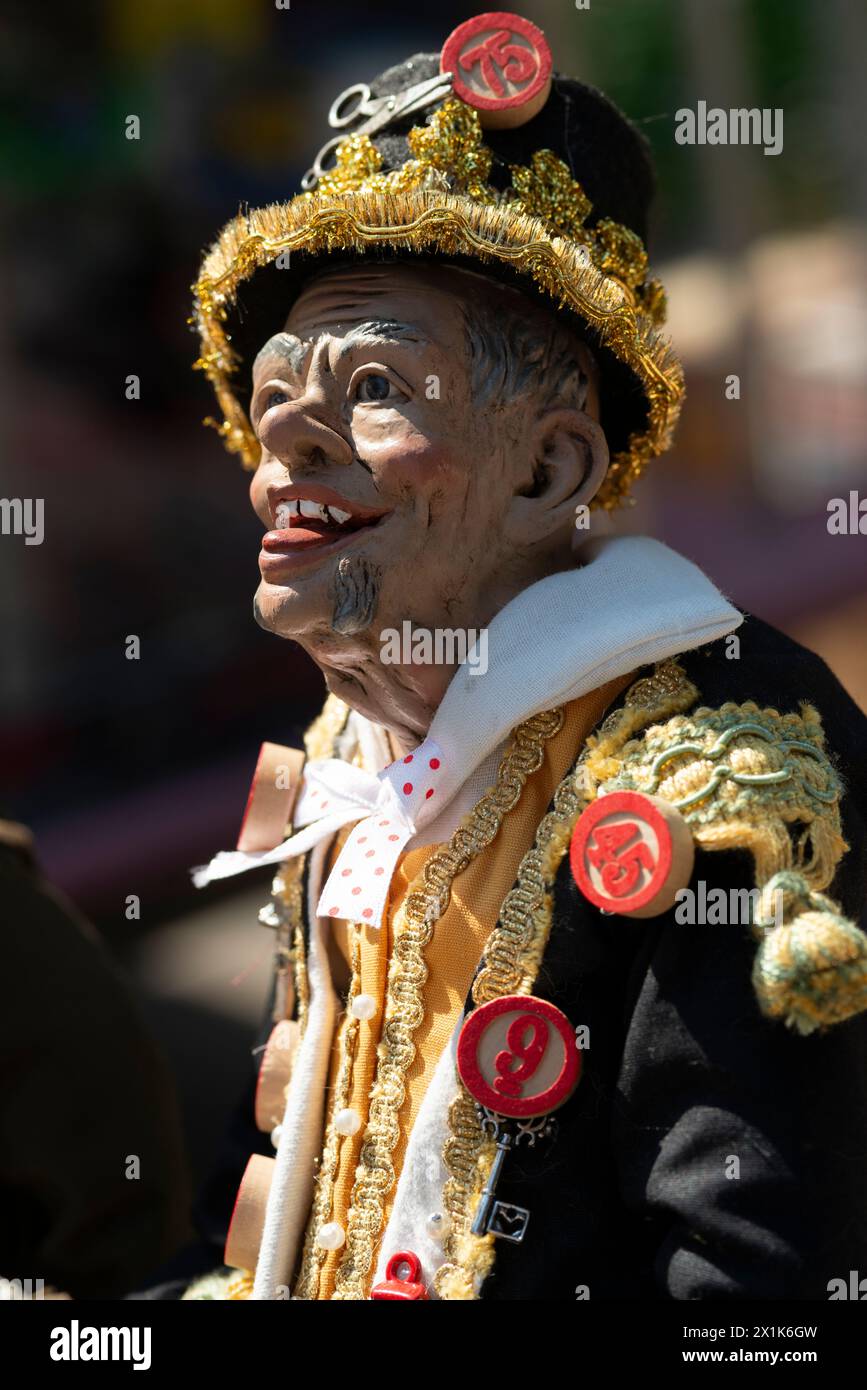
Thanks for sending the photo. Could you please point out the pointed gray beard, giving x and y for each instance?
(356, 595)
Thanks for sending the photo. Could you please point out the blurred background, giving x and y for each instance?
(130, 772)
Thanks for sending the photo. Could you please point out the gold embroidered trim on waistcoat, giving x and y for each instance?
(288, 889)
(424, 904)
(514, 953)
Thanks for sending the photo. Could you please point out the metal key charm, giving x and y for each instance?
(494, 1217)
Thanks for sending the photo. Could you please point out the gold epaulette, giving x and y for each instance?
(754, 779)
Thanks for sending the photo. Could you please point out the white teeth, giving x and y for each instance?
(285, 512)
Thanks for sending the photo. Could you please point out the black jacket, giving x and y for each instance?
(634, 1197)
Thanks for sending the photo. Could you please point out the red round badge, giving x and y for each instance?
(500, 64)
(518, 1057)
(621, 853)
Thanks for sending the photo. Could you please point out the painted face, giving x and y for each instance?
(384, 491)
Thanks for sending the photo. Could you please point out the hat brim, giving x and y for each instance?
(234, 323)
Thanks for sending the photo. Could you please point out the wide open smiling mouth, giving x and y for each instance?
(314, 517)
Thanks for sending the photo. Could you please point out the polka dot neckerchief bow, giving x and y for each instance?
(405, 799)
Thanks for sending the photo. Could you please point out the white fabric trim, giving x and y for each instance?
(292, 1183)
(420, 1185)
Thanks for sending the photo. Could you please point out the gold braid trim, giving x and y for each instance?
(314, 1256)
(302, 984)
(320, 737)
(319, 742)
(289, 955)
(740, 775)
(514, 954)
(241, 1287)
(423, 906)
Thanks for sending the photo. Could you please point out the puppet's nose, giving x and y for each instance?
(294, 434)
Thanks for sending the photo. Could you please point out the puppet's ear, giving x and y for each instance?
(569, 461)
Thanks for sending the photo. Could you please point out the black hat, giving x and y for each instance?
(546, 186)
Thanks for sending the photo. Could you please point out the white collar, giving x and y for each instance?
(629, 603)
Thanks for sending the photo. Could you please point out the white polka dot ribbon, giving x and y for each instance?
(389, 807)
(358, 885)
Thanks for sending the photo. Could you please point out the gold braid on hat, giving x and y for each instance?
(449, 155)
(440, 202)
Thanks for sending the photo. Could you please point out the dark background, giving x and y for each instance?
(131, 771)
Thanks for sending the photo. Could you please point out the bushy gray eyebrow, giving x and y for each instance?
(285, 345)
(379, 330)
(294, 350)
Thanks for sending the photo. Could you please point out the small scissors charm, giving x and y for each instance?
(357, 100)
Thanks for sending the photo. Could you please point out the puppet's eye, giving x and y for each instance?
(375, 387)
(275, 398)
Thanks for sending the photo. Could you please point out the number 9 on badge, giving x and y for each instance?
(517, 1056)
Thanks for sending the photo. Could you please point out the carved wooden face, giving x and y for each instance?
(397, 482)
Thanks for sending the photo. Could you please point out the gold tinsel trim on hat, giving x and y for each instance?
(439, 201)
(449, 149)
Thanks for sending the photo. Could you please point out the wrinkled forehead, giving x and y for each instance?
(418, 307)
(340, 299)
(422, 305)
(427, 308)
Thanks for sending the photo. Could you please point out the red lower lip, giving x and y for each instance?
(299, 547)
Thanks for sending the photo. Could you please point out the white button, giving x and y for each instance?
(364, 1006)
(438, 1225)
(347, 1122)
(275, 1135)
(330, 1236)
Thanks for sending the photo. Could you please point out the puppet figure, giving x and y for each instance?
(569, 985)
